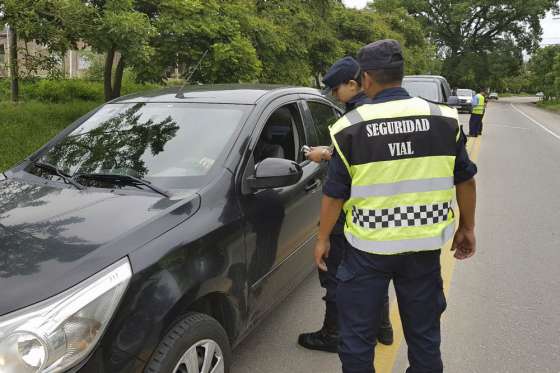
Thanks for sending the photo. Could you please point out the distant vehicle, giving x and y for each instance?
(493, 96)
(430, 87)
(465, 99)
(540, 95)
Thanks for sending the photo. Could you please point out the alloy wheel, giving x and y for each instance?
(203, 357)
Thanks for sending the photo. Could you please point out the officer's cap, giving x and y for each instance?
(341, 71)
(381, 54)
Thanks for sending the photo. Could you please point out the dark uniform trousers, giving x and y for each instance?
(363, 284)
(475, 124)
(329, 280)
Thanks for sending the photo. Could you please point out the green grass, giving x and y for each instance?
(550, 105)
(25, 127)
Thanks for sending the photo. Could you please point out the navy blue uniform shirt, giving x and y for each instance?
(339, 182)
(360, 99)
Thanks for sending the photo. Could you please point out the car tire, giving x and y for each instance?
(194, 341)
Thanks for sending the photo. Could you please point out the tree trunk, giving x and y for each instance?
(108, 75)
(317, 81)
(13, 61)
(118, 78)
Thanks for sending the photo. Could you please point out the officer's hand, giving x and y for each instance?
(315, 154)
(322, 249)
(464, 243)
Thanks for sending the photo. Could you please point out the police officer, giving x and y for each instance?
(343, 80)
(398, 163)
(477, 112)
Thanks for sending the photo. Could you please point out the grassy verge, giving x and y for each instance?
(25, 127)
(550, 105)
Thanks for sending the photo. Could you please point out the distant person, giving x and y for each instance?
(343, 80)
(477, 112)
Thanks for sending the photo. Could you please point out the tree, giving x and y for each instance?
(13, 62)
(545, 68)
(186, 30)
(54, 24)
(117, 30)
(463, 27)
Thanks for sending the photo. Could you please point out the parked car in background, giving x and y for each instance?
(493, 96)
(465, 99)
(156, 231)
(540, 95)
(430, 87)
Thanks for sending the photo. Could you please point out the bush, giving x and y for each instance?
(65, 91)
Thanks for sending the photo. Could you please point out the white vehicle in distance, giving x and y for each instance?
(465, 96)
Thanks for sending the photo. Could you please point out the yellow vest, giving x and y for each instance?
(479, 107)
(400, 156)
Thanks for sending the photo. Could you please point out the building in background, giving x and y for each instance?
(74, 64)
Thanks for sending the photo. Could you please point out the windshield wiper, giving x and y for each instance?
(58, 172)
(123, 179)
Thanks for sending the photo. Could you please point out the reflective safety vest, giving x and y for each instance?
(479, 107)
(400, 156)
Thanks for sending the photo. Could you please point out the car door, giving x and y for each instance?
(280, 222)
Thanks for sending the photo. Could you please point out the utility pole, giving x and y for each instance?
(13, 61)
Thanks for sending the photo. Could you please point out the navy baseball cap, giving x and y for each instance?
(340, 72)
(381, 54)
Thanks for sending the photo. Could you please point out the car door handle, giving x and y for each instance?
(313, 186)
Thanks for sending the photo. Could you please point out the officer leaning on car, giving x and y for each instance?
(343, 80)
(397, 164)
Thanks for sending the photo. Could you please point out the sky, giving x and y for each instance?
(550, 24)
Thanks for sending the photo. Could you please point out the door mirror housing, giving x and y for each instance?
(275, 173)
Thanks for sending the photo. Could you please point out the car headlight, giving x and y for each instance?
(56, 334)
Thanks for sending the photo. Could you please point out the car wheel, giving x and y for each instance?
(196, 344)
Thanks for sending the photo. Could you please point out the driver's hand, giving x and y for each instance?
(315, 154)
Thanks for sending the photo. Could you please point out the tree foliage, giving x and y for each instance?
(468, 32)
(545, 69)
(267, 41)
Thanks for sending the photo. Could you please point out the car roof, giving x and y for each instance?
(424, 77)
(247, 94)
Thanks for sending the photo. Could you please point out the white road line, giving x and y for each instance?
(537, 123)
(506, 126)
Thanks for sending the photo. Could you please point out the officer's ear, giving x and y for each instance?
(354, 85)
(366, 81)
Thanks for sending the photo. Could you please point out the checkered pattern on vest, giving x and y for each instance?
(402, 216)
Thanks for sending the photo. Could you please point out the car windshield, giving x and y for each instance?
(464, 92)
(174, 145)
(425, 89)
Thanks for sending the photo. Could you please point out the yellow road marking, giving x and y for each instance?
(385, 356)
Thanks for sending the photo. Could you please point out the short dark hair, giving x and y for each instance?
(387, 75)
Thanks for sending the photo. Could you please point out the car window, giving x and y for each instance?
(443, 92)
(426, 89)
(324, 116)
(170, 141)
(282, 136)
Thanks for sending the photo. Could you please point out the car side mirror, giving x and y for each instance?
(453, 101)
(275, 173)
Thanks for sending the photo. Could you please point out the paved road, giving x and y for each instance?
(503, 311)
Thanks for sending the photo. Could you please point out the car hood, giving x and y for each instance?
(51, 238)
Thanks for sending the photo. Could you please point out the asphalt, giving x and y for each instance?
(503, 312)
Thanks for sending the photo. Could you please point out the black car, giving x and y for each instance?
(156, 231)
